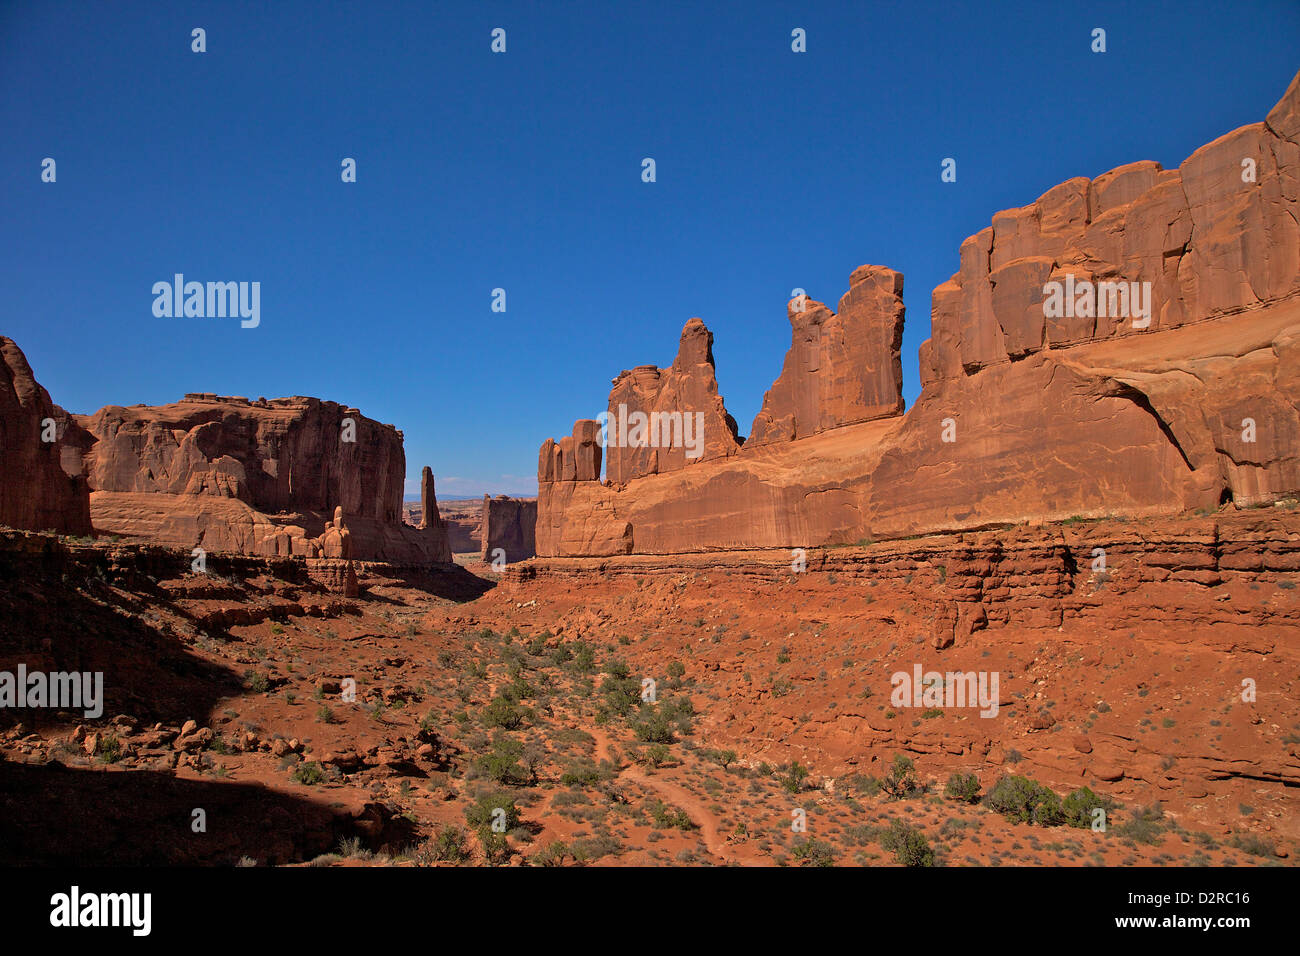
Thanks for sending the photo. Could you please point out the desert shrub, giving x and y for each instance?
(621, 693)
(482, 813)
(552, 854)
(496, 848)
(448, 845)
(586, 849)
(504, 713)
(584, 773)
(309, 772)
(796, 776)
(908, 844)
(1024, 800)
(1078, 806)
(656, 755)
(964, 787)
(1253, 844)
(656, 727)
(666, 817)
(859, 784)
(501, 763)
(584, 658)
(1144, 824)
(813, 852)
(723, 758)
(517, 690)
(901, 783)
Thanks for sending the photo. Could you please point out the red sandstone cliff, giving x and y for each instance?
(509, 528)
(842, 368)
(688, 387)
(1027, 412)
(260, 477)
(41, 482)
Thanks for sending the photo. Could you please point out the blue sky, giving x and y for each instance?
(523, 171)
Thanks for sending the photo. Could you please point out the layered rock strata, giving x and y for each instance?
(263, 477)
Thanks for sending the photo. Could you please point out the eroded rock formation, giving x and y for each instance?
(842, 368)
(509, 528)
(689, 387)
(41, 483)
(262, 477)
(1125, 345)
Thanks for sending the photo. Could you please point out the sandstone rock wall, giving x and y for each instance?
(1024, 416)
(688, 387)
(1220, 234)
(842, 368)
(281, 455)
(41, 483)
(277, 477)
(509, 524)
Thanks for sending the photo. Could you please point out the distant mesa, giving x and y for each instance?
(281, 477)
(265, 477)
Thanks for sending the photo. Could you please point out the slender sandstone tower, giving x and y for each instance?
(429, 517)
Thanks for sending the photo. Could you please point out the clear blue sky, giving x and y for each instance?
(523, 171)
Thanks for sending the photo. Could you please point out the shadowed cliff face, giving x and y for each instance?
(1124, 345)
(41, 486)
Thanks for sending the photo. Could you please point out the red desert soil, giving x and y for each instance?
(772, 695)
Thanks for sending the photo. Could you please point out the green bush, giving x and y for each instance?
(448, 846)
(964, 787)
(501, 763)
(552, 854)
(666, 817)
(584, 773)
(496, 848)
(1024, 800)
(503, 713)
(622, 694)
(1078, 806)
(795, 778)
(901, 781)
(723, 758)
(481, 813)
(1253, 844)
(309, 773)
(813, 852)
(656, 727)
(908, 844)
(1145, 824)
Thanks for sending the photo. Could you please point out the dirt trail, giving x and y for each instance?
(695, 808)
